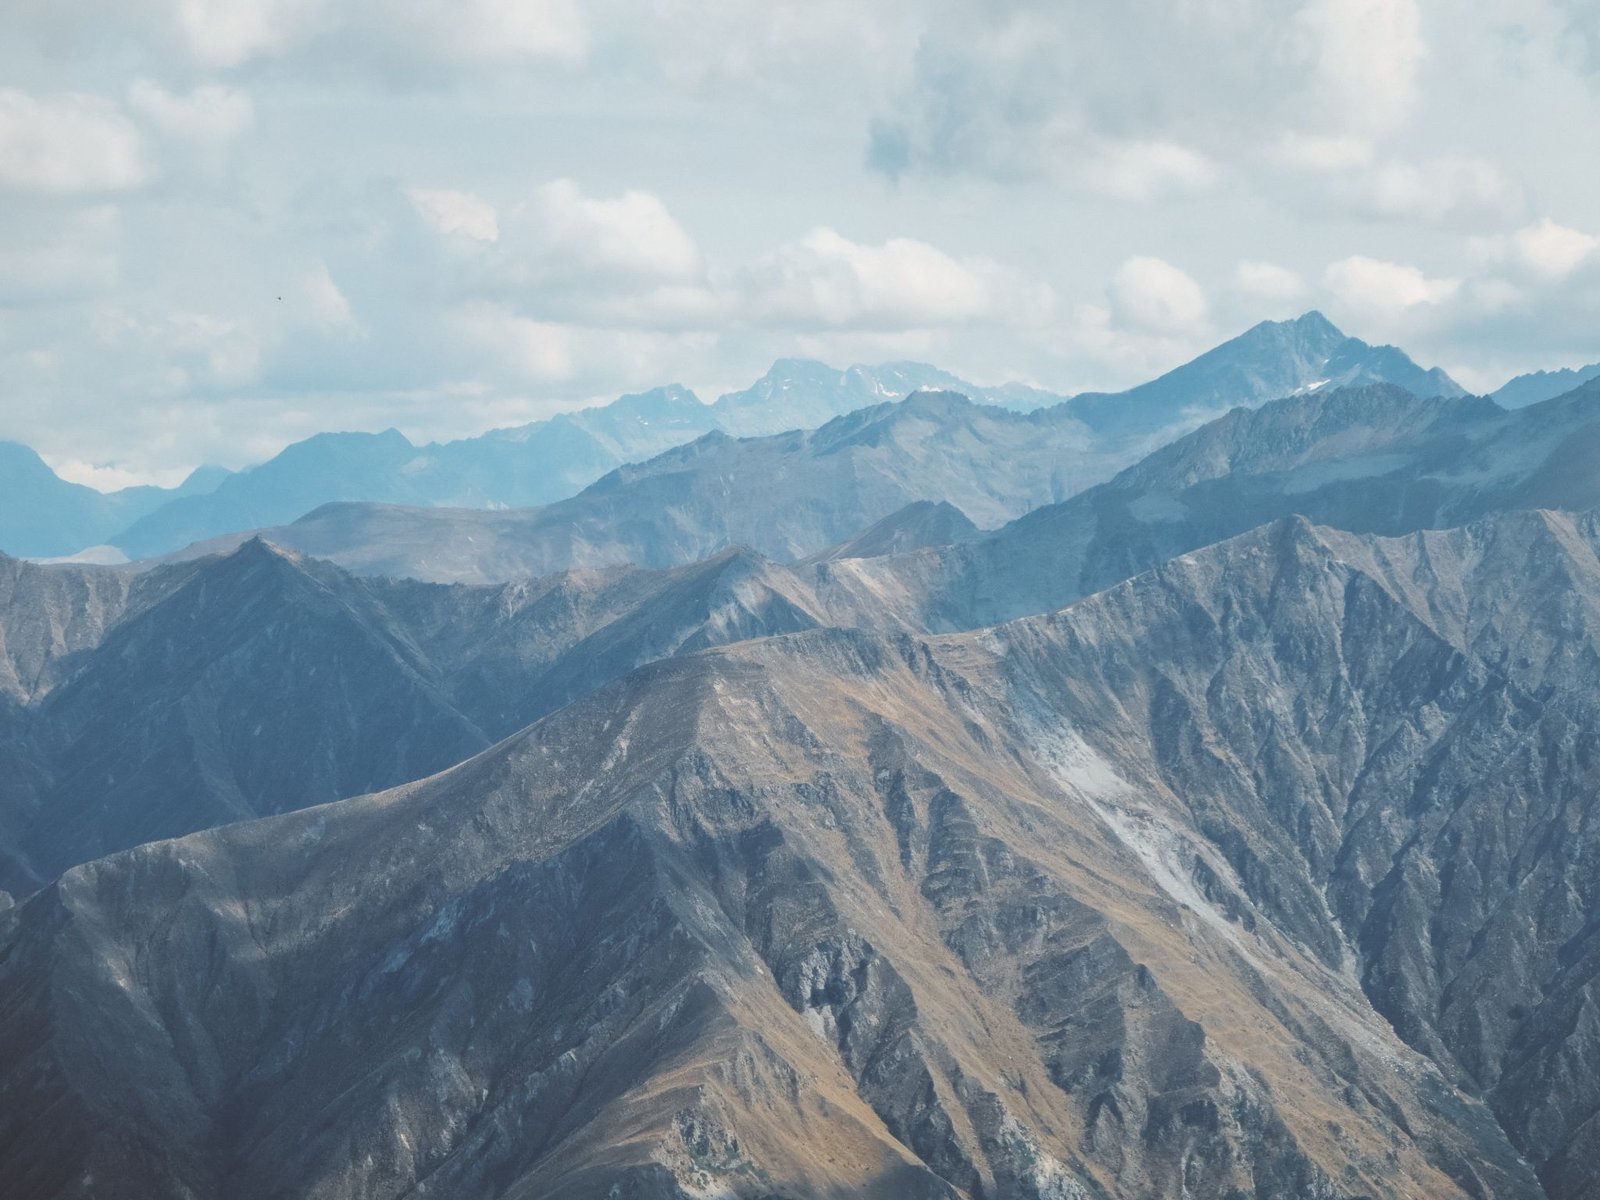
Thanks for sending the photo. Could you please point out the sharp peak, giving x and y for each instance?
(258, 549)
(1311, 321)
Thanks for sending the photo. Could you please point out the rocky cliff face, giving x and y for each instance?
(1266, 873)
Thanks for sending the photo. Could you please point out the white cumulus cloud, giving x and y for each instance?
(451, 211)
(67, 143)
(1385, 288)
(828, 280)
(1436, 188)
(1153, 295)
(631, 236)
(1553, 251)
(211, 112)
(1268, 281)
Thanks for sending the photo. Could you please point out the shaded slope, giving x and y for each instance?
(1099, 900)
(42, 515)
(144, 706)
(1373, 459)
(1268, 361)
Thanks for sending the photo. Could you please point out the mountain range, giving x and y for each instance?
(151, 704)
(43, 515)
(549, 461)
(1372, 459)
(1267, 872)
(1100, 800)
(1543, 385)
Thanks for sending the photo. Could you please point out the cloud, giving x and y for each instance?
(326, 305)
(49, 255)
(1030, 88)
(67, 143)
(827, 280)
(210, 113)
(628, 237)
(1546, 251)
(1154, 296)
(1315, 152)
(1144, 170)
(453, 212)
(1582, 33)
(323, 37)
(1385, 288)
(476, 31)
(578, 359)
(1437, 188)
(1268, 281)
(1553, 251)
(1366, 55)
(538, 351)
(111, 477)
(564, 256)
(227, 33)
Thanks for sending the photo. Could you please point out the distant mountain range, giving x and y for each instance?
(552, 460)
(792, 495)
(1543, 385)
(43, 515)
(1370, 459)
(1272, 360)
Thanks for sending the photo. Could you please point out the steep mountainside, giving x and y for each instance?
(549, 461)
(796, 494)
(1267, 873)
(1271, 360)
(918, 526)
(528, 465)
(42, 515)
(533, 464)
(1543, 385)
(152, 705)
(487, 660)
(1372, 459)
(786, 496)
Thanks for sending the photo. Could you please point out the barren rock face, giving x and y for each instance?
(1267, 873)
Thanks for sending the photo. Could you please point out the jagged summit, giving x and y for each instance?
(1268, 361)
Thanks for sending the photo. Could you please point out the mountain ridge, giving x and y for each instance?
(551, 460)
(925, 883)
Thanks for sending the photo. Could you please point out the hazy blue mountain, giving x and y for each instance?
(801, 393)
(548, 461)
(533, 464)
(1543, 385)
(1371, 459)
(43, 515)
(1271, 360)
(786, 496)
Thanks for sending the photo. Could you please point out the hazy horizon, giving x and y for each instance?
(233, 226)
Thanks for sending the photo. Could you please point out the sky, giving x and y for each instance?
(228, 224)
